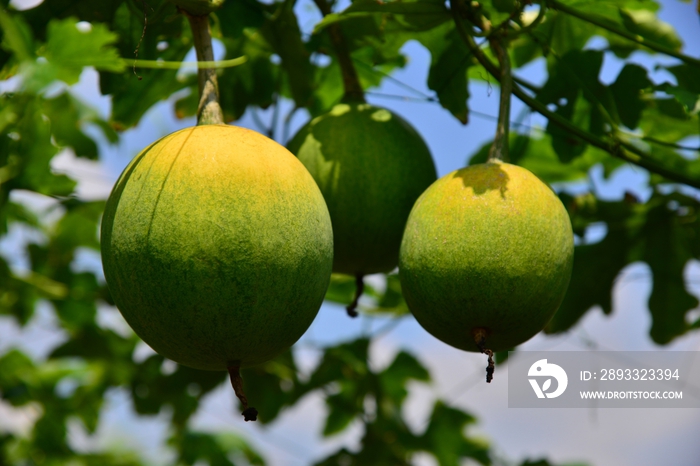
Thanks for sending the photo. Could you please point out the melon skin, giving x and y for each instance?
(489, 246)
(371, 166)
(217, 247)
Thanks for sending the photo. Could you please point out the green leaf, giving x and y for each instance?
(444, 437)
(70, 49)
(50, 434)
(17, 296)
(393, 379)
(392, 300)
(66, 125)
(343, 362)
(195, 447)
(8, 115)
(256, 81)
(561, 33)
(84, 10)
(450, 59)
(79, 227)
(689, 100)
(667, 249)
(133, 97)
(17, 37)
(253, 83)
(282, 33)
(92, 343)
(334, 18)
(32, 152)
(576, 93)
(687, 91)
(666, 120)
(646, 24)
(342, 410)
(47, 287)
(695, 325)
(341, 289)
(659, 232)
(15, 370)
(628, 91)
(235, 17)
(181, 390)
(417, 15)
(687, 77)
(501, 357)
(271, 386)
(595, 268)
(536, 153)
(14, 212)
(596, 265)
(79, 308)
(544, 462)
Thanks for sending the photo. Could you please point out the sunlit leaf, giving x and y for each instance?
(70, 48)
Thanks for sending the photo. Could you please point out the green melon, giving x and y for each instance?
(371, 166)
(217, 247)
(486, 247)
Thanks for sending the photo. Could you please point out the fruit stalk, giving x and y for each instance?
(351, 81)
(249, 413)
(480, 335)
(359, 289)
(499, 149)
(208, 111)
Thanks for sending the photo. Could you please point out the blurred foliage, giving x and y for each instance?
(45, 49)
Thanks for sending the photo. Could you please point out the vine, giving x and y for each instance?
(613, 145)
(351, 81)
(499, 149)
(209, 110)
(176, 65)
(636, 38)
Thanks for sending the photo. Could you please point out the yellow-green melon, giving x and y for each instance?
(217, 247)
(371, 166)
(489, 246)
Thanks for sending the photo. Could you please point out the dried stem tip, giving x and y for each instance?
(249, 413)
(359, 289)
(480, 335)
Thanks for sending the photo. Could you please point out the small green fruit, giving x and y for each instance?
(217, 247)
(488, 248)
(371, 166)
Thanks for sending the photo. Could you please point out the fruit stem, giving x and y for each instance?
(249, 413)
(359, 289)
(480, 335)
(499, 149)
(351, 81)
(208, 111)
